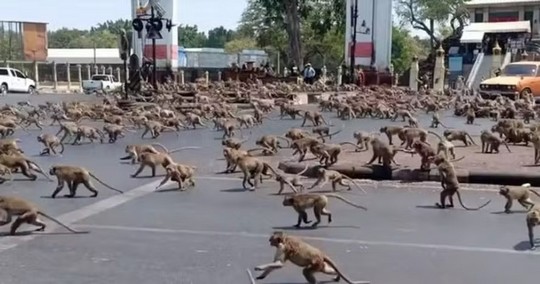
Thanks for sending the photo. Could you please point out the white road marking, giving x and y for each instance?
(330, 240)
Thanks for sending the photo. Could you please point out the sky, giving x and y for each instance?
(83, 14)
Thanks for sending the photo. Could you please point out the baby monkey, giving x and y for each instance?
(310, 258)
(50, 142)
(521, 194)
(180, 174)
(335, 177)
(301, 202)
(27, 212)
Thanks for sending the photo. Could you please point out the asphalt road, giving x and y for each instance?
(214, 232)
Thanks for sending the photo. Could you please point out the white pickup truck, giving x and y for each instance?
(13, 80)
(100, 82)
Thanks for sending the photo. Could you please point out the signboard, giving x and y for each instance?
(364, 30)
(455, 64)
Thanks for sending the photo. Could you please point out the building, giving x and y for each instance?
(217, 57)
(373, 33)
(514, 11)
(106, 56)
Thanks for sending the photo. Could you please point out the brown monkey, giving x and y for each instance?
(135, 150)
(426, 152)
(383, 152)
(18, 162)
(10, 145)
(301, 254)
(68, 128)
(156, 128)
(302, 145)
(408, 136)
(461, 135)
(295, 134)
(179, 173)
(362, 139)
(271, 142)
(50, 142)
(471, 115)
(436, 120)
(535, 140)
(233, 143)
(252, 168)
(450, 184)
(27, 212)
(335, 177)
(301, 202)
(328, 153)
(232, 155)
(292, 181)
(5, 171)
(521, 194)
(391, 131)
(115, 131)
(6, 131)
(413, 122)
(324, 131)
(444, 146)
(152, 160)
(315, 117)
(73, 176)
(533, 219)
(229, 128)
(491, 142)
(403, 113)
(92, 133)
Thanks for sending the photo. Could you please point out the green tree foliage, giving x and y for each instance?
(10, 46)
(217, 37)
(239, 44)
(404, 48)
(104, 35)
(426, 15)
(190, 36)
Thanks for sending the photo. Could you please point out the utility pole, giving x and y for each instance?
(154, 63)
(354, 21)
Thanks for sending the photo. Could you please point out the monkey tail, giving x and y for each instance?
(468, 208)
(354, 182)
(106, 185)
(303, 171)
(61, 224)
(458, 159)
(161, 146)
(285, 139)
(349, 143)
(508, 148)
(183, 148)
(38, 169)
(62, 148)
(433, 133)
(345, 200)
(472, 140)
(337, 132)
(334, 266)
(535, 192)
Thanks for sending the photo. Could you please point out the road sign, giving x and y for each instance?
(153, 34)
(157, 8)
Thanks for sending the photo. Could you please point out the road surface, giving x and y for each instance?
(214, 232)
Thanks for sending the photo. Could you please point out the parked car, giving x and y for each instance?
(14, 80)
(100, 82)
(516, 78)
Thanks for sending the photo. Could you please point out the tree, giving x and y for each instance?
(403, 49)
(239, 44)
(217, 37)
(190, 36)
(424, 15)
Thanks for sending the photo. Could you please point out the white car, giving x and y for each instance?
(100, 82)
(13, 80)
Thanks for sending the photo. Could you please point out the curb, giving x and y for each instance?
(377, 172)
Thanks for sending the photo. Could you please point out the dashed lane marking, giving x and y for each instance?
(322, 239)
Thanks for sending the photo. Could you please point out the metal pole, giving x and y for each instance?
(278, 64)
(154, 71)
(95, 56)
(125, 79)
(354, 20)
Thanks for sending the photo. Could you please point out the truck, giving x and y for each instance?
(100, 82)
(13, 80)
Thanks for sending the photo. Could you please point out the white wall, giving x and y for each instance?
(377, 15)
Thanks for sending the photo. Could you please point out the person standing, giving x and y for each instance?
(309, 74)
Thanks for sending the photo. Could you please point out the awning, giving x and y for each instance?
(499, 27)
(472, 37)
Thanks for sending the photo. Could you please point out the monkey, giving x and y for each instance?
(29, 120)
(252, 168)
(413, 122)
(450, 184)
(134, 151)
(179, 173)
(26, 212)
(521, 194)
(233, 143)
(535, 140)
(156, 128)
(409, 135)
(528, 114)
(383, 152)
(88, 132)
(194, 120)
(152, 160)
(462, 135)
(315, 117)
(328, 153)
(403, 113)
(113, 119)
(444, 146)
(362, 139)
(335, 177)
(436, 120)
(231, 156)
(50, 142)
(303, 255)
(229, 128)
(292, 181)
(295, 134)
(10, 145)
(471, 115)
(5, 171)
(491, 142)
(324, 131)
(391, 131)
(73, 176)
(114, 131)
(68, 128)
(6, 131)
(271, 142)
(301, 202)
(302, 145)
(16, 162)
(533, 219)
(426, 152)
